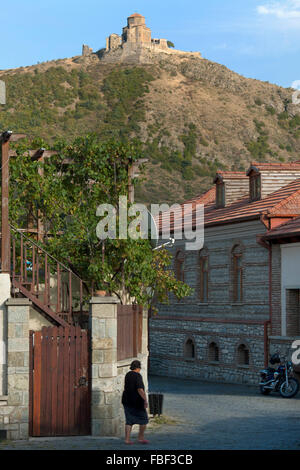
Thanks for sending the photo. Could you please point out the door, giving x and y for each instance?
(59, 389)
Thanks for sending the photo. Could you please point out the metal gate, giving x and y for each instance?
(59, 388)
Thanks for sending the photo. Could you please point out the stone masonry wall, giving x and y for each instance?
(107, 372)
(14, 407)
(4, 295)
(292, 312)
(220, 319)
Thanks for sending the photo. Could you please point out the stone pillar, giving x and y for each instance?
(4, 295)
(106, 405)
(14, 416)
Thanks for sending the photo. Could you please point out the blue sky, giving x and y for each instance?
(257, 38)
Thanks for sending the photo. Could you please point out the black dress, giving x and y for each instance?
(132, 401)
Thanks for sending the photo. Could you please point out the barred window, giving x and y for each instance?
(213, 352)
(243, 355)
(237, 274)
(203, 277)
(189, 349)
(179, 265)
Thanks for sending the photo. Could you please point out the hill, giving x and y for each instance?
(193, 116)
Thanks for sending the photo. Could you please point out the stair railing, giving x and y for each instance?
(44, 278)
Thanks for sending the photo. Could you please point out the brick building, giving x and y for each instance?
(246, 283)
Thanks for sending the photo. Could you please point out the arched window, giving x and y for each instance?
(243, 355)
(237, 274)
(189, 349)
(213, 352)
(203, 276)
(179, 265)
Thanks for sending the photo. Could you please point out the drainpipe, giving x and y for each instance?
(268, 246)
(269, 322)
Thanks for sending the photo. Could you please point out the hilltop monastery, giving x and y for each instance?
(135, 43)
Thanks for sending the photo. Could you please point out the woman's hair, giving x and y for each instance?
(135, 365)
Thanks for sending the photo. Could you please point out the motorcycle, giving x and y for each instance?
(280, 380)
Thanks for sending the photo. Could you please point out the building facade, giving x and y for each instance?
(226, 330)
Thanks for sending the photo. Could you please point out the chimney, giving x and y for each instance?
(265, 178)
(230, 186)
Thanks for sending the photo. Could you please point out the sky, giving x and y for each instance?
(256, 38)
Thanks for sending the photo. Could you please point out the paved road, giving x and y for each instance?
(207, 416)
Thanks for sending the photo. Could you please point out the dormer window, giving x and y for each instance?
(230, 187)
(220, 194)
(255, 187)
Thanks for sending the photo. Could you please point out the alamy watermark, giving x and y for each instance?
(296, 94)
(296, 353)
(182, 222)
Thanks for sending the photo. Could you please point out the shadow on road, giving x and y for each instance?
(185, 386)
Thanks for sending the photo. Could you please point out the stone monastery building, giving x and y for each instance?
(246, 280)
(136, 36)
(136, 32)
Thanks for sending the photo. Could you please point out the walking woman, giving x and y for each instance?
(135, 403)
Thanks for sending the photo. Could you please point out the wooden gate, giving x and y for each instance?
(59, 388)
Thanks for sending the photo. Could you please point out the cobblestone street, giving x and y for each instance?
(203, 416)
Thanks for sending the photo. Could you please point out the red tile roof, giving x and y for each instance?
(136, 15)
(233, 175)
(287, 229)
(274, 166)
(244, 209)
(206, 198)
(285, 200)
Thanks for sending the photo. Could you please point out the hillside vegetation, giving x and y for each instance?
(193, 116)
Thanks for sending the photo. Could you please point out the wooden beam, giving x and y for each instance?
(16, 137)
(38, 154)
(5, 229)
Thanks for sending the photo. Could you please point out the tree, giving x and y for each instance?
(170, 44)
(65, 191)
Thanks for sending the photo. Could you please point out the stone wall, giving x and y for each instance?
(86, 50)
(107, 372)
(220, 319)
(131, 53)
(14, 407)
(4, 295)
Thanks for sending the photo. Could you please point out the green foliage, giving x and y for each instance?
(53, 99)
(292, 124)
(67, 195)
(260, 127)
(190, 142)
(259, 148)
(258, 101)
(271, 110)
(170, 44)
(283, 116)
(123, 90)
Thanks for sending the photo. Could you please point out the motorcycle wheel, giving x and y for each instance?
(291, 390)
(264, 391)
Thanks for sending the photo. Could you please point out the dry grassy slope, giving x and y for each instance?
(222, 104)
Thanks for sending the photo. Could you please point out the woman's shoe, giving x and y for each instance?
(144, 441)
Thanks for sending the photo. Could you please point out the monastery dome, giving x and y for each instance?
(136, 15)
